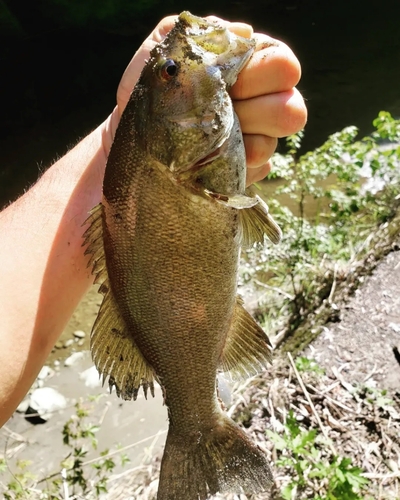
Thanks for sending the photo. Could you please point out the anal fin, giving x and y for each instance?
(247, 349)
(113, 347)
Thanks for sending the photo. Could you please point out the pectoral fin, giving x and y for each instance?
(114, 350)
(257, 221)
(247, 350)
(254, 214)
(239, 201)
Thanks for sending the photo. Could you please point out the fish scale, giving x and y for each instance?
(165, 244)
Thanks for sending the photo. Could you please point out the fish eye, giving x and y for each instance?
(169, 70)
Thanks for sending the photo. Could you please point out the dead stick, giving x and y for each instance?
(306, 394)
(64, 476)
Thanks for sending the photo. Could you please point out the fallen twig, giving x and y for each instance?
(307, 395)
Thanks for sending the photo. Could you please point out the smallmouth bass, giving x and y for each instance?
(165, 244)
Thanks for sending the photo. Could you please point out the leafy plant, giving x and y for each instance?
(304, 364)
(376, 397)
(353, 187)
(18, 487)
(85, 478)
(303, 455)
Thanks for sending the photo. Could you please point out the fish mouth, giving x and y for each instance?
(191, 119)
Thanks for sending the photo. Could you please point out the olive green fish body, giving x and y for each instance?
(174, 282)
(165, 245)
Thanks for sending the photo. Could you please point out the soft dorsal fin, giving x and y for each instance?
(114, 350)
(257, 221)
(247, 349)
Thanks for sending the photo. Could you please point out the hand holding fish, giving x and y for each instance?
(165, 244)
(43, 270)
(264, 96)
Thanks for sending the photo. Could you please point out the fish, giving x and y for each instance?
(164, 245)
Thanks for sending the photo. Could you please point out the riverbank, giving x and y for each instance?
(350, 396)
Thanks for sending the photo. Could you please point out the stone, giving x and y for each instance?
(395, 327)
(45, 372)
(80, 334)
(23, 406)
(46, 401)
(68, 342)
(74, 358)
(91, 377)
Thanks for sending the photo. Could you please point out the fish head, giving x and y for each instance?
(185, 112)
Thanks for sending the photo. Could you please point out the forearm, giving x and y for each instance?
(43, 271)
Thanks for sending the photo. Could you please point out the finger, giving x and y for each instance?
(275, 115)
(259, 149)
(257, 174)
(241, 29)
(272, 68)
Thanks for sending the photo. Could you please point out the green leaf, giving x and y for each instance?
(279, 442)
(287, 491)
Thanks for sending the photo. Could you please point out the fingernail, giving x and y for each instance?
(241, 29)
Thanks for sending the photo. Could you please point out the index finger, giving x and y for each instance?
(272, 68)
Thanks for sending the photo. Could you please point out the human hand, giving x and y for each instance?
(264, 96)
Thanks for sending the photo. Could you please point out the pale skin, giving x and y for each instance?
(43, 271)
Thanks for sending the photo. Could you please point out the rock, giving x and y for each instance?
(59, 345)
(68, 342)
(71, 360)
(46, 401)
(395, 327)
(56, 363)
(23, 406)
(81, 342)
(91, 377)
(45, 372)
(80, 334)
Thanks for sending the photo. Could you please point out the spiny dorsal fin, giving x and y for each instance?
(93, 240)
(247, 349)
(114, 350)
(257, 221)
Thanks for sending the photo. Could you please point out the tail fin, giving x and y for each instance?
(223, 459)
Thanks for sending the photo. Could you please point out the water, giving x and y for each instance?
(138, 426)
